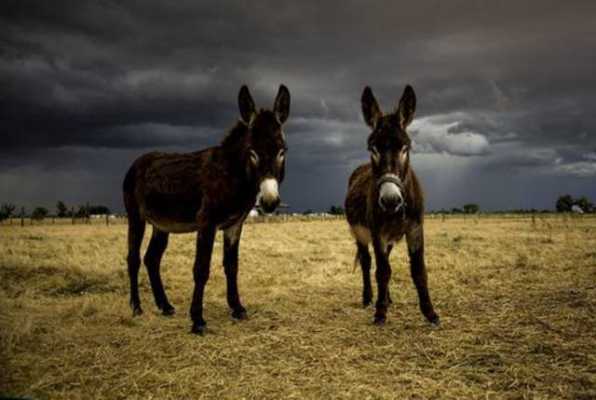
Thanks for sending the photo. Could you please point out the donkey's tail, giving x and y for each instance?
(128, 184)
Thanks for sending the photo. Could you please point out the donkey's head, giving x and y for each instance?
(266, 144)
(389, 146)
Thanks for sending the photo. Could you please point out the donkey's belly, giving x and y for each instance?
(392, 233)
(173, 226)
(389, 235)
(171, 212)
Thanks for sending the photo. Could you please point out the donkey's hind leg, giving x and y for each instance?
(136, 230)
(157, 246)
(365, 261)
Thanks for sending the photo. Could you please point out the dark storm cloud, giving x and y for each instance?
(500, 86)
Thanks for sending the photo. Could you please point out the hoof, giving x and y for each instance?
(240, 314)
(168, 310)
(366, 303)
(137, 310)
(435, 321)
(198, 328)
(379, 321)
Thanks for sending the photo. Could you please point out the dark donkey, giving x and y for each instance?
(203, 191)
(385, 201)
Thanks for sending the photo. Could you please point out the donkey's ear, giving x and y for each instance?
(370, 108)
(281, 107)
(246, 104)
(406, 107)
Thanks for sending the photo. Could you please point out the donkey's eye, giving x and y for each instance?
(281, 156)
(374, 153)
(254, 158)
(403, 154)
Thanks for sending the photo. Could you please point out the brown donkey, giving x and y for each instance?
(385, 201)
(203, 191)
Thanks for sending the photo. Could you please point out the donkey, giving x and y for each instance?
(201, 192)
(385, 201)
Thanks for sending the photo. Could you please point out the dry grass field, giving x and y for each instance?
(517, 300)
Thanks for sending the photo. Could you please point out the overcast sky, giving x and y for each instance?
(506, 92)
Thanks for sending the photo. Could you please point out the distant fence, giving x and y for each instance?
(119, 220)
(293, 217)
(99, 220)
(531, 216)
(281, 218)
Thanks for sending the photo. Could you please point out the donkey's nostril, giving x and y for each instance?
(391, 203)
(270, 205)
(388, 202)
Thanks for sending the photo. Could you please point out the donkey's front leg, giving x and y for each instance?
(383, 274)
(415, 239)
(230, 262)
(204, 249)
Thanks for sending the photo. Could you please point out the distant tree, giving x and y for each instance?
(61, 209)
(308, 211)
(471, 208)
(584, 204)
(98, 210)
(22, 216)
(6, 211)
(564, 203)
(83, 212)
(39, 213)
(456, 210)
(336, 210)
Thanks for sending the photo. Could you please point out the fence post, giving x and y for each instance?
(107, 220)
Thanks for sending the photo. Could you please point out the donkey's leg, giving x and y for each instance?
(415, 239)
(136, 230)
(383, 274)
(204, 246)
(230, 262)
(389, 300)
(364, 259)
(157, 246)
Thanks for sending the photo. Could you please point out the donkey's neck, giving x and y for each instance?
(234, 149)
(235, 139)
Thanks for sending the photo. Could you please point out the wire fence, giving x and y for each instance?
(107, 220)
